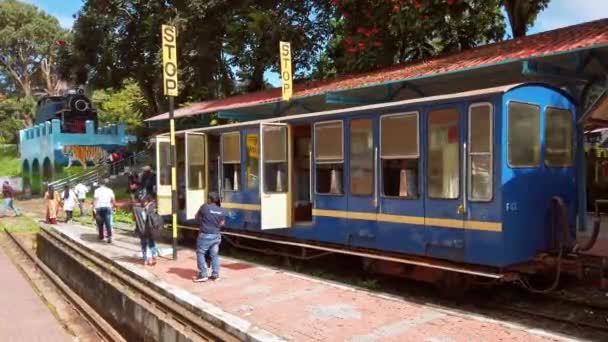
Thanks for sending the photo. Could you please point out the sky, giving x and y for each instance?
(560, 13)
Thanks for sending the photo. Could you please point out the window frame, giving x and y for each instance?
(316, 162)
(458, 108)
(247, 160)
(371, 120)
(189, 164)
(544, 155)
(240, 163)
(508, 113)
(381, 171)
(262, 163)
(469, 153)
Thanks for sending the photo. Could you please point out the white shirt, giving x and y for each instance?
(81, 191)
(103, 197)
(70, 202)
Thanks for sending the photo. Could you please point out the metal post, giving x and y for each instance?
(173, 164)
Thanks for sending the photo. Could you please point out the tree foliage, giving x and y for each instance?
(126, 104)
(29, 43)
(15, 113)
(522, 14)
(372, 34)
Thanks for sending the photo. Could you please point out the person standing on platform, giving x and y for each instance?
(147, 229)
(148, 182)
(52, 202)
(103, 203)
(69, 202)
(9, 195)
(81, 191)
(211, 218)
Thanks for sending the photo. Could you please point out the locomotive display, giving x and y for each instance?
(480, 182)
(74, 109)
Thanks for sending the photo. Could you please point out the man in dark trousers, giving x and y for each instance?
(9, 195)
(210, 218)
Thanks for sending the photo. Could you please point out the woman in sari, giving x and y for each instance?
(52, 201)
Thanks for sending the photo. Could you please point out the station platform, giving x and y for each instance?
(24, 316)
(270, 304)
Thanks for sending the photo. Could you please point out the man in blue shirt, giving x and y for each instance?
(210, 218)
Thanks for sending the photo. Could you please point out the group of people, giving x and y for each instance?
(103, 205)
(210, 218)
(67, 200)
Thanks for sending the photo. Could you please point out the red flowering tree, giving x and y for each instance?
(376, 33)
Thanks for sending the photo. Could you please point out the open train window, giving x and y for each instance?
(480, 169)
(164, 156)
(196, 161)
(399, 154)
(275, 159)
(231, 160)
(253, 161)
(443, 175)
(361, 157)
(523, 135)
(558, 137)
(329, 157)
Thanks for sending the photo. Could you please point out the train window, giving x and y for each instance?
(399, 154)
(164, 155)
(443, 177)
(558, 137)
(253, 164)
(231, 159)
(361, 157)
(523, 135)
(480, 152)
(329, 157)
(275, 158)
(196, 161)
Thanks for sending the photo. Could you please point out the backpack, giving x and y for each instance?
(154, 222)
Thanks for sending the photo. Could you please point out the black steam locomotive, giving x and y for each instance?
(73, 110)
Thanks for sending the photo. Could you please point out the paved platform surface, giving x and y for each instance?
(279, 305)
(23, 315)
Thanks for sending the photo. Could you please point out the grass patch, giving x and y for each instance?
(119, 215)
(20, 224)
(10, 163)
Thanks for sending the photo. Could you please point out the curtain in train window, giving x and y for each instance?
(443, 175)
(361, 157)
(329, 157)
(558, 137)
(164, 155)
(523, 135)
(399, 154)
(275, 158)
(253, 161)
(231, 159)
(196, 161)
(480, 152)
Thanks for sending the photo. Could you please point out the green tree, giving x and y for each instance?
(371, 34)
(29, 43)
(522, 14)
(126, 104)
(15, 114)
(256, 27)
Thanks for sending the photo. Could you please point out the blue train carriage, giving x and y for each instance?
(459, 181)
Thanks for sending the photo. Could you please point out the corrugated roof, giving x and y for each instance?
(553, 42)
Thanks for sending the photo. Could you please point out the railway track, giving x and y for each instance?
(191, 324)
(104, 330)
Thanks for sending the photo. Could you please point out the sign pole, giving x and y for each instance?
(169, 37)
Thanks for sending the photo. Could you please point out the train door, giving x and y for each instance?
(400, 166)
(196, 172)
(445, 203)
(362, 201)
(275, 176)
(163, 175)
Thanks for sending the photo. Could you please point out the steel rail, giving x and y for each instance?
(191, 322)
(103, 328)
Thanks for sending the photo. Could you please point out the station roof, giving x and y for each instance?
(570, 56)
